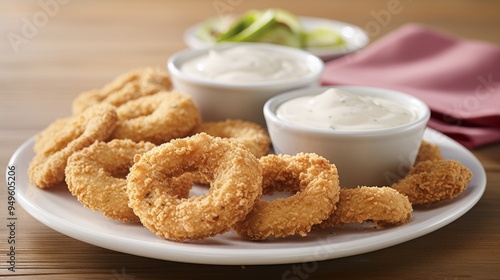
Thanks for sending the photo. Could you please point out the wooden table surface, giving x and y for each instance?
(51, 50)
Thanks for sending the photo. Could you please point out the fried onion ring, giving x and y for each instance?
(428, 151)
(381, 205)
(126, 87)
(250, 134)
(96, 175)
(157, 118)
(62, 138)
(235, 184)
(433, 181)
(316, 183)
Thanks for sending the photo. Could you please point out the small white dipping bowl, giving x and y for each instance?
(363, 157)
(221, 100)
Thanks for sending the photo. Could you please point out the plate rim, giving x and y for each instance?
(193, 253)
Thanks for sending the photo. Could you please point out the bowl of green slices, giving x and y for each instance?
(325, 38)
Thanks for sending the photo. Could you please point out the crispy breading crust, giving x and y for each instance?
(126, 87)
(316, 183)
(250, 134)
(235, 184)
(381, 205)
(433, 181)
(428, 151)
(96, 175)
(59, 140)
(157, 118)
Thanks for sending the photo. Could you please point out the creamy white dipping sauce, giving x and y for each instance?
(342, 110)
(243, 64)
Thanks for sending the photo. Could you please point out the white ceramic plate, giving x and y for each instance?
(58, 209)
(355, 37)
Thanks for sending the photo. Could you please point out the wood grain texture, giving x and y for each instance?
(84, 44)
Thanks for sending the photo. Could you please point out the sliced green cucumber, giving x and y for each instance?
(281, 35)
(323, 37)
(262, 24)
(239, 25)
(293, 22)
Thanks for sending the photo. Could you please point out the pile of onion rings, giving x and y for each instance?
(93, 150)
(133, 150)
(134, 106)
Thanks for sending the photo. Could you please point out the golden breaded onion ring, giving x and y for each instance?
(316, 183)
(235, 177)
(428, 151)
(157, 118)
(124, 88)
(381, 205)
(61, 139)
(250, 134)
(96, 175)
(433, 181)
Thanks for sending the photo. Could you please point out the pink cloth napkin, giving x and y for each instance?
(459, 79)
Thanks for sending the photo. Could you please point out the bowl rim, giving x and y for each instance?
(272, 104)
(315, 64)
